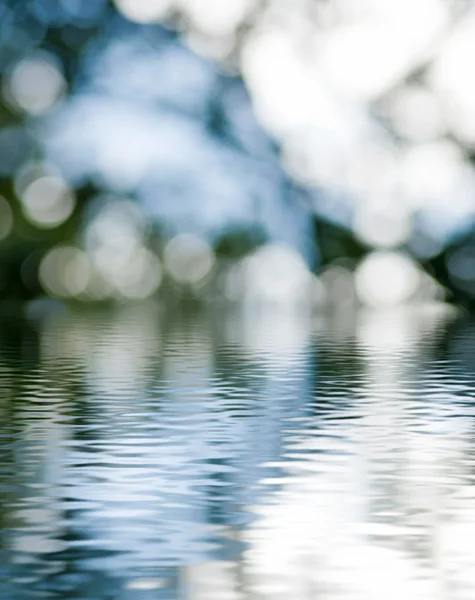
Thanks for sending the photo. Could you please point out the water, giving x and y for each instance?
(229, 455)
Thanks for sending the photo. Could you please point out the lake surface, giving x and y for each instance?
(223, 454)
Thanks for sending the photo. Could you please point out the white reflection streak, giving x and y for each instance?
(387, 512)
(348, 531)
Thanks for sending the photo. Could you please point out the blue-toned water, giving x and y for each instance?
(229, 454)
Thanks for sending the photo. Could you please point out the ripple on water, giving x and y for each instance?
(199, 457)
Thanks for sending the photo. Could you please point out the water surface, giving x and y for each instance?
(225, 455)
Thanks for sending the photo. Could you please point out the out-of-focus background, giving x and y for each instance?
(281, 150)
(230, 234)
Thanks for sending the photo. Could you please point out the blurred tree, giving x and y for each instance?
(196, 141)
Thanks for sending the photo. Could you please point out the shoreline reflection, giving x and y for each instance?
(237, 454)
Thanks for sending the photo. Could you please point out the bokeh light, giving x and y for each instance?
(115, 240)
(35, 84)
(188, 258)
(48, 201)
(433, 173)
(214, 17)
(64, 272)
(135, 273)
(386, 279)
(450, 77)
(383, 224)
(416, 114)
(358, 117)
(143, 11)
(338, 283)
(276, 273)
(29, 172)
(118, 224)
(364, 56)
(437, 180)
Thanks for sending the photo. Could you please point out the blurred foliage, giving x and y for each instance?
(235, 242)
(337, 243)
(70, 34)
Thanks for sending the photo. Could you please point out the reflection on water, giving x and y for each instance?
(227, 455)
